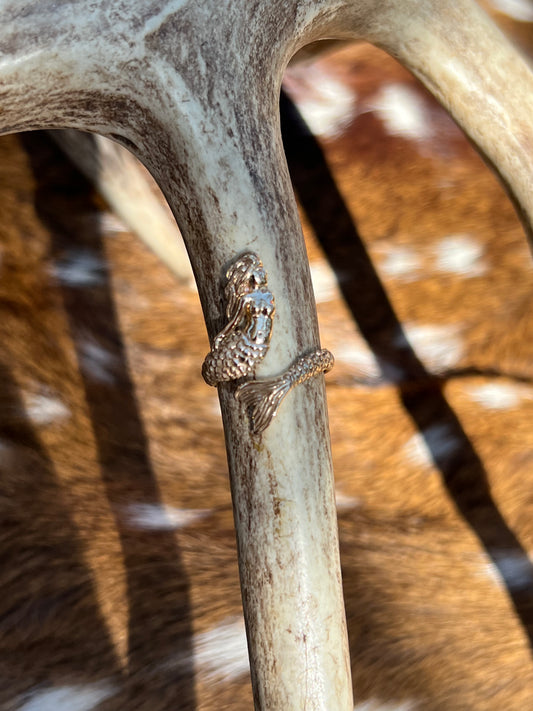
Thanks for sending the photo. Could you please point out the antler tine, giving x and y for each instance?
(466, 62)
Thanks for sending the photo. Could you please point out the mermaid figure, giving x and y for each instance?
(243, 342)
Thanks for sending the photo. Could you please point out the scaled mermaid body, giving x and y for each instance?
(243, 342)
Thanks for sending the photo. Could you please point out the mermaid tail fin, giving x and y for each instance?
(263, 398)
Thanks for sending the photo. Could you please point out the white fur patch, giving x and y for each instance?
(79, 268)
(360, 358)
(221, 653)
(327, 105)
(521, 10)
(365, 366)
(439, 347)
(511, 569)
(433, 443)
(97, 362)
(402, 263)
(499, 396)
(43, 409)
(214, 406)
(344, 502)
(460, 254)
(324, 282)
(157, 517)
(377, 705)
(76, 697)
(402, 112)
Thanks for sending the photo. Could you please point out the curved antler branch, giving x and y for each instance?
(466, 62)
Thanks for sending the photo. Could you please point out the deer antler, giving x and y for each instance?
(192, 89)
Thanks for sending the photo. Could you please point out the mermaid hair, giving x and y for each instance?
(239, 276)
